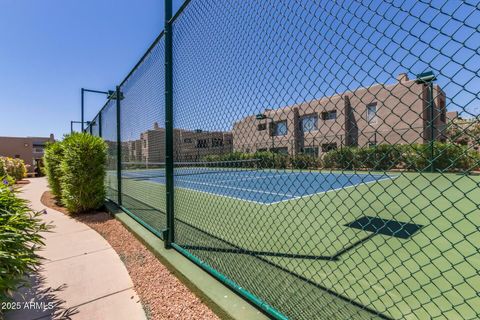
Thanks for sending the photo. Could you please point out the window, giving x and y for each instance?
(309, 123)
(262, 126)
(202, 143)
(187, 140)
(217, 142)
(328, 147)
(280, 128)
(228, 141)
(329, 115)
(372, 113)
(311, 151)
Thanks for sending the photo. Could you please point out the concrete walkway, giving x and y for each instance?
(82, 277)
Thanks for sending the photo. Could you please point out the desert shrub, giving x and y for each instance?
(381, 157)
(14, 168)
(303, 161)
(451, 156)
(83, 172)
(270, 160)
(20, 236)
(343, 158)
(19, 170)
(414, 157)
(53, 159)
(3, 167)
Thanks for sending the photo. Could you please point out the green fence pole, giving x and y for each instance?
(100, 124)
(119, 148)
(169, 125)
(432, 127)
(82, 110)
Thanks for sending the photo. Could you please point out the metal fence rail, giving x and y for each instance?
(323, 156)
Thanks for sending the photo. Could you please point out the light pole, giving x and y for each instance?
(427, 79)
(262, 116)
(83, 90)
(196, 143)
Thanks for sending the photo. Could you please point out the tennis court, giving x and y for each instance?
(255, 185)
(331, 233)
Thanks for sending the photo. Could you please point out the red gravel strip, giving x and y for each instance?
(162, 295)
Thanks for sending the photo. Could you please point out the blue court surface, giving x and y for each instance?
(264, 187)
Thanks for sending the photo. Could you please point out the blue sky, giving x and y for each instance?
(250, 56)
(50, 49)
(230, 60)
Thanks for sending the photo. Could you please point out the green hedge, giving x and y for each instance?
(19, 238)
(75, 169)
(414, 157)
(53, 159)
(83, 172)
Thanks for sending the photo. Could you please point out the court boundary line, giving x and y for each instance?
(293, 197)
(336, 189)
(275, 202)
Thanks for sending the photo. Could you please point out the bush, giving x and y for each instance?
(415, 157)
(53, 159)
(19, 238)
(303, 161)
(344, 158)
(446, 157)
(83, 172)
(381, 157)
(3, 167)
(15, 168)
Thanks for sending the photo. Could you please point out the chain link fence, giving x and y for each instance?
(325, 153)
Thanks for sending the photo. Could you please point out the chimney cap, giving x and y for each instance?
(402, 77)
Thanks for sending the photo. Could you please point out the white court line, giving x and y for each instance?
(292, 197)
(242, 179)
(336, 189)
(242, 189)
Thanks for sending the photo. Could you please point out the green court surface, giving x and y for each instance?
(306, 246)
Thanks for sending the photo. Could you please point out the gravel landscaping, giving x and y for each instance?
(162, 294)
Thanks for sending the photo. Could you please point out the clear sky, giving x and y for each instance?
(50, 49)
(231, 59)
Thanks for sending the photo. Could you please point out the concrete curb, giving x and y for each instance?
(223, 301)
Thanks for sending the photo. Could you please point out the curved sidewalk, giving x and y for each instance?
(81, 272)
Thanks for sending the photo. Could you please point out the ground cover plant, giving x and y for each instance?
(20, 237)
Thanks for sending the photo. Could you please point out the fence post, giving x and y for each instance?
(100, 124)
(169, 125)
(82, 111)
(432, 126)
(119, 147)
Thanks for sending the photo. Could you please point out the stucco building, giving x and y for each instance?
(29, 149)
(188, 145)
(380, 114)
